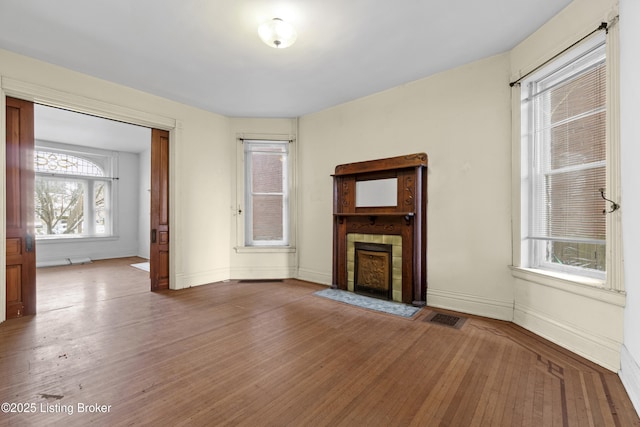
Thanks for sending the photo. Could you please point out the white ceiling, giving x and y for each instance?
(206, 53)
(68, 127)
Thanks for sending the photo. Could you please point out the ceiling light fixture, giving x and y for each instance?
(277, 33)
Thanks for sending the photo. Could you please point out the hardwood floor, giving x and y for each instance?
(272, 353)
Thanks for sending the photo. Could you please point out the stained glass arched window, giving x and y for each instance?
(68, 164)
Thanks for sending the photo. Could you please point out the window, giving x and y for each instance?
(266, 192)
(564, 163)
(73, 193)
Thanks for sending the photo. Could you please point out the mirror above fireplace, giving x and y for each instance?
(377, 192)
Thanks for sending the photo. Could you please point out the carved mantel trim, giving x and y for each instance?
(390, 163)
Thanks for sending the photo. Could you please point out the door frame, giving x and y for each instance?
(73, 102)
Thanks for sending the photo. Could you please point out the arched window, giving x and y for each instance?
(63, 163)
(72, 194)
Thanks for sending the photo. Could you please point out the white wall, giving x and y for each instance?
(461, 119)
(144, 203)
(255, 263)
(630, 150)
(580, 317)
(125, 241)
(200, 152)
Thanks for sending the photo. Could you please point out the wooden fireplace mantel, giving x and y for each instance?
(407, 218)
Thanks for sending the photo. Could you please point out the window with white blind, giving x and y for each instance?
(564, 163)
(266, 192)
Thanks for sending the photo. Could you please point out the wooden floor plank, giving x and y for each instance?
(272, 353)
(489, 397)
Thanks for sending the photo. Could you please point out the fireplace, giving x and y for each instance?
(362, 216)
(373, 270)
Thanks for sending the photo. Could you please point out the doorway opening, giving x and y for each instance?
(82, 188)
(92, 187)
(91, 191)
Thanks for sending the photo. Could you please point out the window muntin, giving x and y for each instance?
(72, 194)
(564, 129)
(266, 193)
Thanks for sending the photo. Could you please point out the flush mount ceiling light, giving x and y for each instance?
(277, 33)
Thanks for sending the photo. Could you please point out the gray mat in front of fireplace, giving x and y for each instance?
(390, 307)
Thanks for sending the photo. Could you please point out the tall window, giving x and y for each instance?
(72, 194)
(266, 193)
(564, 156)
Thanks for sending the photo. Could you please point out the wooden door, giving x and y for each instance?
(159, 248)
(20, 236)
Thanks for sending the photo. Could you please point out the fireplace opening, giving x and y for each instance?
(373, 270)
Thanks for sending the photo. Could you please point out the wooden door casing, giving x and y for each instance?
(159, 248)
(20, 235)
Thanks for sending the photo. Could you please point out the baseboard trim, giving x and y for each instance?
(630, 377)
(256, 273)
(53, 263)
(314, 276)
(80, 259)
(183, 281)
(598, 349)
(470, 304)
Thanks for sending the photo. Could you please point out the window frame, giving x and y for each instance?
(108, 161)
(247, 224)
(532, 250)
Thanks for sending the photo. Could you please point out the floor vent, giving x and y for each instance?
(446, 320)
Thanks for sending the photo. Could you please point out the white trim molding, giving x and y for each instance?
(471, 304)
(592, 346)
(581, 286)
(630, 377)
(614, 250)
(81, 104)
(314, 276)
(260, 272)
(577, 316)
(184, 281)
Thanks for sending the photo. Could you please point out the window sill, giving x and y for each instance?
(265, 249)
(56, 240)
(578, 285)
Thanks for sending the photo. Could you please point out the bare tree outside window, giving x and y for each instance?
(59, 206)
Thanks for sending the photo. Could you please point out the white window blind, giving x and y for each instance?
(565, 116)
